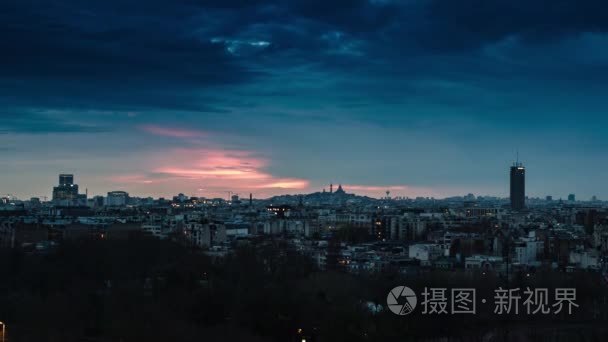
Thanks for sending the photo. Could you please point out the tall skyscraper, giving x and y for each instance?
(518, 186)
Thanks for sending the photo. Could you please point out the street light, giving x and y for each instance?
(3, 330)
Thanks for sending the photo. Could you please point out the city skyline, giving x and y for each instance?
(422, 98)
(303, 170)
(68, 189)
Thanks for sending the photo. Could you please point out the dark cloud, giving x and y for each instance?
(349, 15)
(169, 54)
(125, 58)
(361, 79)
(473, 23)
(38, 123)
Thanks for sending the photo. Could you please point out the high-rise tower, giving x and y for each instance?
(66, 190)
(518, 186)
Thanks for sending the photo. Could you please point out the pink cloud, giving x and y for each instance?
(171, 131)
(287, 183)
(209, 172)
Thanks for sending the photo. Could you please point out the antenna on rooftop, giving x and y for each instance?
(517, 163)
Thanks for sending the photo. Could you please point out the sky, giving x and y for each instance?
(419, 97)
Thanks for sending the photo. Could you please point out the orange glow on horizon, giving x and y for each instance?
(288, 184)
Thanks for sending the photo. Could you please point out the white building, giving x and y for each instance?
(484, 262)
(204, 235)
(426, 253)
(528, 249)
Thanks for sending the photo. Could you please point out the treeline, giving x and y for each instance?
(145, 289)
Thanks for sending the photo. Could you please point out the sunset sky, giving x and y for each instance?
(422, 97)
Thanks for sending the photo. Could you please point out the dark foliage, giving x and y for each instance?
(150, 290)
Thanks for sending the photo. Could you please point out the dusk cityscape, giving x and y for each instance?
(303, 170)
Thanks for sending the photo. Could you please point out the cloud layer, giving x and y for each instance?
(367, 92)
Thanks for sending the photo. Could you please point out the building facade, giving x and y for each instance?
(518, 186)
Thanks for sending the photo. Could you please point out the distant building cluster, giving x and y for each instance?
(336, 229)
